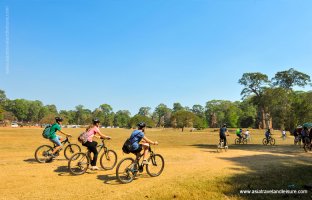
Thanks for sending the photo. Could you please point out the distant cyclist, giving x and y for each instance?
(268, 135)
(92, 130)
(56, 139)
(239, 133)
(223, 132)
(140, 142)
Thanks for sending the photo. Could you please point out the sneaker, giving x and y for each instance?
(226, 147)
(94, 168)
(145, 162)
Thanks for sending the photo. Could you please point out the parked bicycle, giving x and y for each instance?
(242, 140)
(79, 163)
(128, 168)
(221, 146)
(270, 141)
(43, 153)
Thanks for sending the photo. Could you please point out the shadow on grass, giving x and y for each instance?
(109, 179)
(281, 149)
(31, 161)
(269, 172)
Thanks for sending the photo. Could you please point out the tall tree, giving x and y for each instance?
(177, 107)
(122, 118)
(107, 114)
(182, 119)
(290, 78)
(145, 111)
(162, 112)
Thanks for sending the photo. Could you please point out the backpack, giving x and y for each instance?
(83, 137)
(46, 131)
(127, 146)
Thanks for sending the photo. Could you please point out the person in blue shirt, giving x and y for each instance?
(268, 134)
(223, 132)
(138, 136)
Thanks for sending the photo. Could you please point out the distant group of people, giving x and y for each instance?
(241, 135)
(302, 134)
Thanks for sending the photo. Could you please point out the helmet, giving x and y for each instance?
(224, 125)
(141, 125)
(58, 119)
(96, 120)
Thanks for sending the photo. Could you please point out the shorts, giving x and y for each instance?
(137, 150)
(56, 141)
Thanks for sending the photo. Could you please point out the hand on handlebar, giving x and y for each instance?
(68, 135)
(155, 143)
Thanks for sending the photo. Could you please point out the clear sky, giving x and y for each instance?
(141, 53)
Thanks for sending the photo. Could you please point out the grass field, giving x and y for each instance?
(193, 168)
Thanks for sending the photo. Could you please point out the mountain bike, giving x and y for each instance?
(221, 146)
(128, 168)
(242, 140)
(79, 163)
(270, 140)
(43, 153)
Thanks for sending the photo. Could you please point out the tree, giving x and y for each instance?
(108, 115)
(177, 107)
(290, 78)
(145, 111)
(198, 110)
(182, 119)
(162, 114)
(140, 118)
(82, 116)
(33, 111)
(122, 118)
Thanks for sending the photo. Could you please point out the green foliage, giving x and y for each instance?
(177, 107)
(140, 118)
(162, 115)
(122, 119)
(182, 118)
(145, 111)
(253, 83)
(290, 78)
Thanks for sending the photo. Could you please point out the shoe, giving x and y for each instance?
(226, 147)
(94, 168)
(145, 162)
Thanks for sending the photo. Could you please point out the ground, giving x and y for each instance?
(193, 168)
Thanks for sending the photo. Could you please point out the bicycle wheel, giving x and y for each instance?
(43, 153)
(125, 171)
(236, 141)
(264, 141)
(109, 160)
(244, 141)
(272, 141)
(156, 165)
(78, 163)
(70, 150)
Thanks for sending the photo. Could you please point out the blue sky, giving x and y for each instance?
(141, 53)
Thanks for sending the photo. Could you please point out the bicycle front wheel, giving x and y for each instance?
(237, 141)
(125, 171)
(156, 165)
(272, 141)
(43, 153)
(264, 141)
(78, 163)
(108, 160)
(70, 150)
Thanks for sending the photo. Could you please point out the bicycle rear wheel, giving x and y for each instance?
(236, 141)
(108, 161)
(156, 165)
(78, 163)
(70, 150)
(264, 141)
(125, 171)
(43, 153)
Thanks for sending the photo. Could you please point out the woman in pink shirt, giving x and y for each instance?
(90, 144)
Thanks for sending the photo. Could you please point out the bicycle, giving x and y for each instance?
(242, 140)
(221, 146)
(270, 140)
(297, 140)
(43, 153)
(79, 162)
(128, 168)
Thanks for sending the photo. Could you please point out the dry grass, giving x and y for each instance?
(193, 168)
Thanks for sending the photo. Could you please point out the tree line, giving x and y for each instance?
(265, 103)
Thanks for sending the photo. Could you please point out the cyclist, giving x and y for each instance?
(247, 134)
(268, 135)
(284, 134)
(136, 137)
(304, 134)
(92, 130)
(239, 133)
(56, 139)
(223, 131)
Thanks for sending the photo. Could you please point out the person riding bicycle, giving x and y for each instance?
(223, 131)
(247, 134)
(268, 134)
(136, 137)
(239, 133)
(54, 138)
(92, 130)
(305, 134)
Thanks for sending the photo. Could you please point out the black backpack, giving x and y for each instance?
(127, 146)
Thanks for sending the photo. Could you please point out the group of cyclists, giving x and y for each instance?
(139, 142)
(302, 135)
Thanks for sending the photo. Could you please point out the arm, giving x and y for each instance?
(67, 135)
(150, 141)
(102, 135)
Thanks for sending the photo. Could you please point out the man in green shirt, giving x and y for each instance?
(56, 127)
